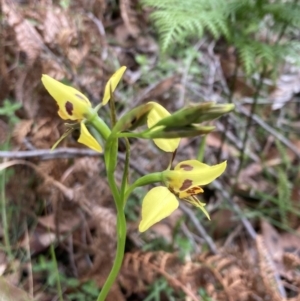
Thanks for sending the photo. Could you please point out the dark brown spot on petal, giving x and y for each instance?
(186, 167)
(186, 184)
(69, 108)
(173, 191)
(194, 190)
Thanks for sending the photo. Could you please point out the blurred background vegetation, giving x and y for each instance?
(246, 52)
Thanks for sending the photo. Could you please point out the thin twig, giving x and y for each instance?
(269, 129)
(47, 154)
(230, 100)
(190, 237)
(61, 153)
(199, 227)
(250, 119)
(185, 74)
(236, 208)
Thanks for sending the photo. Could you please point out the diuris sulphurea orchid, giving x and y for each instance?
(73, 105)
(183, 182)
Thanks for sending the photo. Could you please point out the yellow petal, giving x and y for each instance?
(156, 114)
(87, 139)
(72, 104)
(192, 173)
(158, 203)
(112, 84)
(188, 165)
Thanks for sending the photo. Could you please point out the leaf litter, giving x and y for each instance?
(67, 203)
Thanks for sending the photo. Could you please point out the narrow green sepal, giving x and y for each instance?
(215, 112)
(177, 132)
(133, 119)
(63, 136)
(196, 114)
(185, 116)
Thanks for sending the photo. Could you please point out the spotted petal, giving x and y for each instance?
(158, 203)
(190, 191)
(156, 114)
(112, 84)
(72, 104)
(87, 139)
(192, 173)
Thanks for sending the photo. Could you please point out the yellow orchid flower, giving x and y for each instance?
(183, 182)
(155, 115)
(73, 105)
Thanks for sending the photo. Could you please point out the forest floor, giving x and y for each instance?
(58, 229)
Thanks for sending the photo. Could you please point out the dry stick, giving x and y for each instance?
(249, 121)
(199, 227)
(61, 153)
(190, 237)
(269, 129)
(229, 136)
(236, 208)
(225, 118)
(47, 154)
(67, 192)
(186, 70)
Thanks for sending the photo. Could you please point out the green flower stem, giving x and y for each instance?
(100, 126)
(110, 162)
(125, 178)
(121, 239)
(145, 180)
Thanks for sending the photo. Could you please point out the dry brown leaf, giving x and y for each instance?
(5, 79)
(286, 86)
(3, 262)
(272, 241)
(290, 243)
(129, 17)
(66, 223)
(4, 132)
(39, 240)
(9, 292)
(28, 39)
(214, 140)
(57, 27)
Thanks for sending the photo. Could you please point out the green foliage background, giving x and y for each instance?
(254, 27)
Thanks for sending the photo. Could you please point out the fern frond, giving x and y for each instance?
(247, 57)
(177, 20)
(287, 14)
(239, 22)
